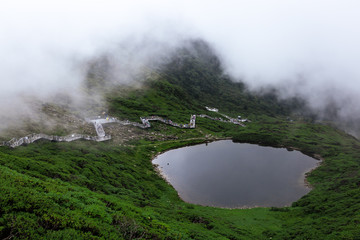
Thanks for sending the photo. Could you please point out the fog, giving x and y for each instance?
(304, 48)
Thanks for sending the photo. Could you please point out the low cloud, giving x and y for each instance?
(303, 48)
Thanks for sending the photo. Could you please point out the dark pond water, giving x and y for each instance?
(234, 175)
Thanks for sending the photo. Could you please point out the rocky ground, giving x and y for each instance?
(125, 134)
(56, 120)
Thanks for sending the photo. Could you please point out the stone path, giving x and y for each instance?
(34, 137)
(101, 135)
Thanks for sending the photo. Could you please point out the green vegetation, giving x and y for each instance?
(88, 190)
(69, 191)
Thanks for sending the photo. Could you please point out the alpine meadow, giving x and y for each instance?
(91, 93)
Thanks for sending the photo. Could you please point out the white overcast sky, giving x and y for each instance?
(309, 48)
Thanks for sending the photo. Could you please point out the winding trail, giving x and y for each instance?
(15, 142)
(101, 135)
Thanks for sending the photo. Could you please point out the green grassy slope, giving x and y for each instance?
(88, 190)
(72, 191)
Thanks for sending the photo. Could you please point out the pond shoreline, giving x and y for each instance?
(160, 171)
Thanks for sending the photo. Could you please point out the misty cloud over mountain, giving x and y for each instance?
(303, 48)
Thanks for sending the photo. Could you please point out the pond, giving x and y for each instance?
(236, 175)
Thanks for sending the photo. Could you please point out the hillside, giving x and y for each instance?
(110, 190)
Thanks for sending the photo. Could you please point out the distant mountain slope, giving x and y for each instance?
(196, 68)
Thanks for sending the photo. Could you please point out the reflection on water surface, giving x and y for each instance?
(234, 175)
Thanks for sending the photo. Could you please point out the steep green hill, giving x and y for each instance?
(88, 190)
(192, 79)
